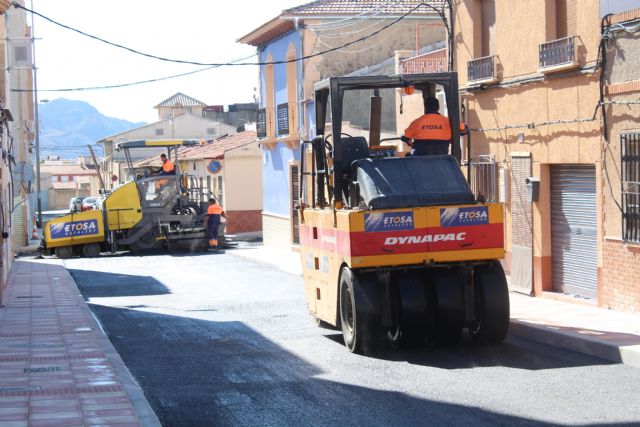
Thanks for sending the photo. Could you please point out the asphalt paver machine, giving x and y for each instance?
(148, 212)
(396, 249)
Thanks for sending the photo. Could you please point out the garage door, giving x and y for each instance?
(573, 230)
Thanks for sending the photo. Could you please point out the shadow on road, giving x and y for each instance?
(98, 284)
(196, 372)
(514, 352)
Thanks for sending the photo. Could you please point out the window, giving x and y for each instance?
(283, 119)
(159, 132)
(566, 14)
(484, 178)
(54, 178)
(488, 28)
(630, 165)
(261, 123)
(64, 178)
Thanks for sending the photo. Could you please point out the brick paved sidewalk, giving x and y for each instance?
(57, 367)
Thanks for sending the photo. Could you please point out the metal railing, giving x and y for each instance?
(630, 186)
(557, 52)
(430, 62)
(484, 178)
(481, 68)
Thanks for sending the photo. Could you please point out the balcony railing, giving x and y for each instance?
(431, 62)
(482, 70)
(561, 52)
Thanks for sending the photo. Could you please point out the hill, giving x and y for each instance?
(68, 126)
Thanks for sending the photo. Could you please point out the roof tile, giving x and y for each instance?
(351, 7)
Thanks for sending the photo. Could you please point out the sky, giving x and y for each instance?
(194, 30)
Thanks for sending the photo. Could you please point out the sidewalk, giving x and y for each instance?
(610, 335)
(57, 366)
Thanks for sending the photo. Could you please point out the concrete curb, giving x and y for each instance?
(143, 409)
(556, 337)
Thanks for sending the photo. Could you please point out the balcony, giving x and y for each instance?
(482, 70)
(558, 55)
(430, 62)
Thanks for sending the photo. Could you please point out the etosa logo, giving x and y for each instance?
(427, 238)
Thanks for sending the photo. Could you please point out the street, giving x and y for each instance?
(217, 340)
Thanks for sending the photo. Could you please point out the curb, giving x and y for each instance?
(628, 355)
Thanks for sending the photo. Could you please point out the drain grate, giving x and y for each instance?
(28, 296)
(45, 369)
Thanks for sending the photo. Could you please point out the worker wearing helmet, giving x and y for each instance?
(212, 219)
(429, 134)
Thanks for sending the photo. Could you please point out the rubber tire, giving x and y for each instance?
(64, 252)
(360, 311)
(449, 293)
(91, 250)
(411, 311)
(492, 304)
(146, 242)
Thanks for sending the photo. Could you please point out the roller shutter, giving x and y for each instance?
(573, 230)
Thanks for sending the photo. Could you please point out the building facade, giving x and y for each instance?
(534, 107)
(620, 279)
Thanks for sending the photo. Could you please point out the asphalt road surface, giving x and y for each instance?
(215, 340)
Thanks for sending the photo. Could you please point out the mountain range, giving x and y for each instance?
(68, 126)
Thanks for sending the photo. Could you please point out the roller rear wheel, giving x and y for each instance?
(411, 309)
(360, 311)
(449, 318)
(492, 304)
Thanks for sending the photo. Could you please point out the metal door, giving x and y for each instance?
(574, 243)
(521, 226)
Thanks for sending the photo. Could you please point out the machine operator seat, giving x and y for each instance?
(354, 148)
(389, 183)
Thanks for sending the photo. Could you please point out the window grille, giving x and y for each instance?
(630, 164)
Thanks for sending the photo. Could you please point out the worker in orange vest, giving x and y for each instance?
(429, 134)
(212, 219)
(168, 168)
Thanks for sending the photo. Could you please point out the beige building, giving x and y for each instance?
(18, 66)
(230, 169)
(539, 145)
(69, 179)
(183, 124)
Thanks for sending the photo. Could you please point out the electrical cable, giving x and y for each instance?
(120, 85)
(216, 64)
(210, 64)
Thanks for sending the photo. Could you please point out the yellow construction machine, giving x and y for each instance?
(395, 249)
(148, 212)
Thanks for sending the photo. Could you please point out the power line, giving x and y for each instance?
(115, 86)
(221, 64)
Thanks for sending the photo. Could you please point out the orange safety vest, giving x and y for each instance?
(168, 166)
(214, 210)
(430, 127)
